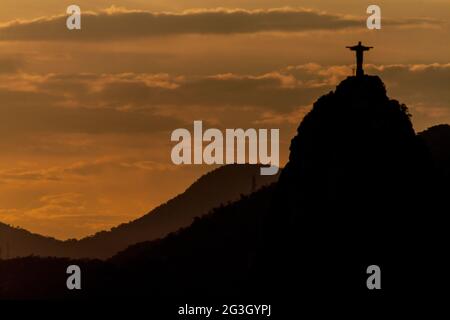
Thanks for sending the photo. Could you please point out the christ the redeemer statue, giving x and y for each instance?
(359, 57)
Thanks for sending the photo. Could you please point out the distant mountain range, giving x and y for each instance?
(220, 186)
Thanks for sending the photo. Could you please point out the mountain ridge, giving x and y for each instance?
(358, 191)
(212, 189)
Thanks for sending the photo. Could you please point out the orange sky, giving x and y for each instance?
(86, 117)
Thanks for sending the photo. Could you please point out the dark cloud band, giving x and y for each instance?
(120, 24)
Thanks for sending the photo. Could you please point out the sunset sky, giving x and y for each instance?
(86, 116)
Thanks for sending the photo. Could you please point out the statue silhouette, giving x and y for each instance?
(359, 57)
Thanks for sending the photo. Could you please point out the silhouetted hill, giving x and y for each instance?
(15, 241)
(359, 190)
(214, 255)
(437, 139)
(217, 187)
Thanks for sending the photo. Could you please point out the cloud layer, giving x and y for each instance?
(150, 103)
(117, 23)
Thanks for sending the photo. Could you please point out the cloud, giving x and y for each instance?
(135, 103)
(10, 64)
(272, 90)
(83, 169)
(117, 23)
(40, 112)
(423, 87)
(26, 175)
(427, 83)
(148, 165)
